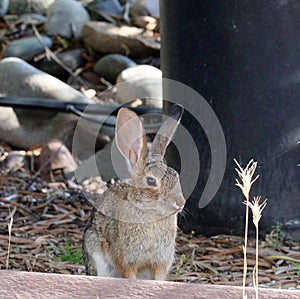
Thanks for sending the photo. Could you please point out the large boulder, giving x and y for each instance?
(25, 127)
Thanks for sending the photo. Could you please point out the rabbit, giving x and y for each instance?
(132, 229)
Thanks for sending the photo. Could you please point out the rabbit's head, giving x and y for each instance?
(157, 185)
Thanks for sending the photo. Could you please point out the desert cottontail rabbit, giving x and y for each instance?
(132, 229)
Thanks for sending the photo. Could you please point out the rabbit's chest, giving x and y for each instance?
(147, 243)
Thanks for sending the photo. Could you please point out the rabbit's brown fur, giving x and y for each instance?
(133, 225)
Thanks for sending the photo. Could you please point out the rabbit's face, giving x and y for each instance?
(160, 186)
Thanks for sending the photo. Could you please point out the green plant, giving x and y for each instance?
(297, 266)
(276, 236)
(295, 263)
(68, 254)
(180, 264)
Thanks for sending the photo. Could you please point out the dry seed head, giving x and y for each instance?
(256, 208)
(246, 175)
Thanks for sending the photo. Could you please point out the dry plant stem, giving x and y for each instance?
(245, 249)
(257, 213)
(253, 279)
(245, 176)
(9, 234)
(49, 54)
(256, 264)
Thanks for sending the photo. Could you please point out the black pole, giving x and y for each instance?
(243, 57)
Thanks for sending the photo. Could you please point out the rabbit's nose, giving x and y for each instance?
(180, 202)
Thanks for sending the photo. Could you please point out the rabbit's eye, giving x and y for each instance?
(151, 181)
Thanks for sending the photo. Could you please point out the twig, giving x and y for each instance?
(105, 82)
(9, 234)
(52, 55)
(126, 12)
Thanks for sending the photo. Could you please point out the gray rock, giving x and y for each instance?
(66, 18)
(25, 127)
(108, 38)
(13, 161)
(55, 155)
(140, 82)
(111, 65)
(108, 6)
(27, 48)
(71, 58)
(19, 7)
(145, 8)
(3, 7)
(101, 164)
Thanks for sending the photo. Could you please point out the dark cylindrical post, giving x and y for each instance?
(243, 57)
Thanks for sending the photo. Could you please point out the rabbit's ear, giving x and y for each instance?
(166, 131)
(131, 138)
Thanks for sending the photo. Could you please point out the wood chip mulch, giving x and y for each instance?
(41, 226)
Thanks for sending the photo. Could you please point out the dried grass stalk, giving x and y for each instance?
(10, 224)
(245, 185)
(256, 209)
